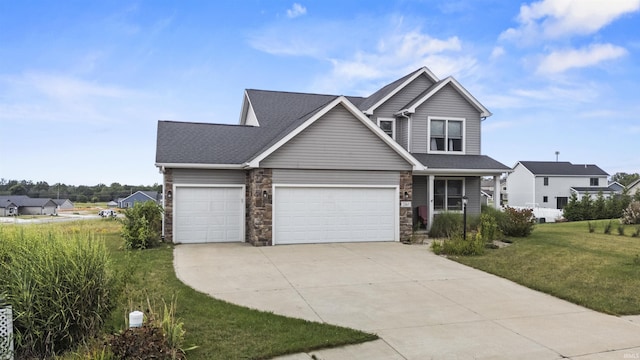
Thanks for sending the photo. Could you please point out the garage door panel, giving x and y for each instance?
(208, 214)
(334, 214)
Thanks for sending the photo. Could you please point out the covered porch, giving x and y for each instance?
(446, 180)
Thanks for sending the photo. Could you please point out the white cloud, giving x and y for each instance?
(395, 55)
(497, 52)
(549, 19)
(296, 10)
(560, 61)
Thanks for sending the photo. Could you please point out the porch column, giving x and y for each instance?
(430, 179)
(496, 192)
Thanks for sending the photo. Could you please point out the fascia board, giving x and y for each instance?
(200, 166)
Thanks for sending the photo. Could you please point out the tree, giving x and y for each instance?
(600, 207)
(625, 179)
(586, 207)
(572, 211)
(18, 189)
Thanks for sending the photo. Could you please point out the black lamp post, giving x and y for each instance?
(465, 199)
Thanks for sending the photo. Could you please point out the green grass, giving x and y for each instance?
(220, 330)
(595, 270)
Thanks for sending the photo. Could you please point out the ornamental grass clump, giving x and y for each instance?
(60, 284)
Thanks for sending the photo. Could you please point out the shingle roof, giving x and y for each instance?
(23, 200)
(562, 168)
(466, 162)
(384, 91)
(202, 143)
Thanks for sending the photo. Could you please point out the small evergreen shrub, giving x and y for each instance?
(518, 223)
(61, 286)
(446, 225)
(607, 227)
(592, 227)
(631, 215)
(142, 226)
(621, 230)
(636, 233)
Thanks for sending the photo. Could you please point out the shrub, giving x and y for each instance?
(488, 227)
(446, 225)
(517, 223)
(474, 245)
(592, 227)
(631, 215)
(636, 232)
(61, 287)
(142, 225)
(621, 230)
(607, 227)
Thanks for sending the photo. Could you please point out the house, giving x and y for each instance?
(548, 184)
(31, 206)
(634, 188)
(112, 204)
(311, 168)
(63, 204)
(8, 208)
(138, 196)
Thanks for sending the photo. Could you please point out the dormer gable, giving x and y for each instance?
(410, 108)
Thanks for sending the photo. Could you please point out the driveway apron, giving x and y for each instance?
(421, 305)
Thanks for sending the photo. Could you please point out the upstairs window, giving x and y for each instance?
(545, 181)
(593, 182)
(388, 126)
(446, 135)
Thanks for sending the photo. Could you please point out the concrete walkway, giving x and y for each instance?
(421, 305)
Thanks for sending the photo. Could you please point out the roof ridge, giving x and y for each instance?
(202, 123)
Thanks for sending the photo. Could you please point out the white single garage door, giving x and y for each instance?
(334, 214)
(208, 214)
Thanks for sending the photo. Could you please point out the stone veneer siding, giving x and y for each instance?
(406, 213)
(259, 223)
(168, 205)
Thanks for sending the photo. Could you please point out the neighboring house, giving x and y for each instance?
(63, 204)
(8, 208)
(486, 197)
(31, 206)
(138, 197)
(634, 188)
(309, 168)
(549, 184)
(112, 204)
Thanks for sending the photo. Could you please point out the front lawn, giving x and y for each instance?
(220, 330)
(596, 270)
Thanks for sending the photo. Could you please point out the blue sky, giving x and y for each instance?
(82, 84)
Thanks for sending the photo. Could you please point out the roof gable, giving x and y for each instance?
(357, 114)
(562, 168)
(385, 93)
(428, 93)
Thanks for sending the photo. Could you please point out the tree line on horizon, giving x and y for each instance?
(79, 193)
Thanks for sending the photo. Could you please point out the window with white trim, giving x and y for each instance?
(447, 194)
(446, 135)
(388, 126)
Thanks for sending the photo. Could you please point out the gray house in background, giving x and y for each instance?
(310, 168)
(549, 184)
(138, 197)
(31, 206)
(8, 208)
(63, 204)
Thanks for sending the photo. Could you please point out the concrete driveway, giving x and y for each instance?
(421, 305)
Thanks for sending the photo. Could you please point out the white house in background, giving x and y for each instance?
(545, 184)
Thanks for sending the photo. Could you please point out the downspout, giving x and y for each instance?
(403, 114)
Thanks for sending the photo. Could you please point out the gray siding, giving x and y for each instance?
(209, 177)
(402, 132)
(446, 103)
(472, 189)
(403, 97)
(336, 141)
(335, 177)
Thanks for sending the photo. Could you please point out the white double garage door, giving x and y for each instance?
(301, 214)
